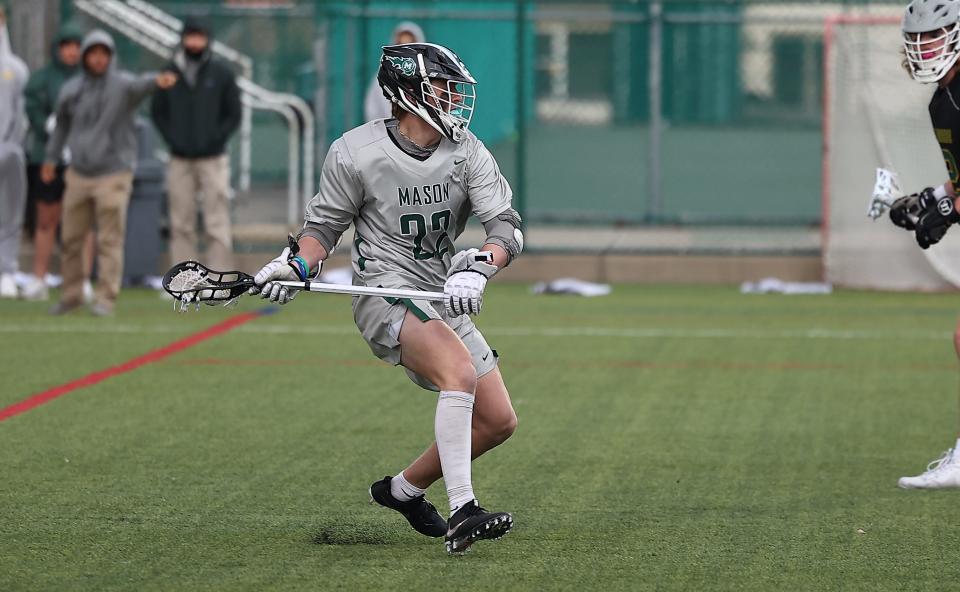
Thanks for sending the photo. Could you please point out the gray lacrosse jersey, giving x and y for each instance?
(407, 212)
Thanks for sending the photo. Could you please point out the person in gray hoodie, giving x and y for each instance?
(13, 177)
(95, 120)
(375, 105)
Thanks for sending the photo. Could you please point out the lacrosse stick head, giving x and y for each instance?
(192, 282)
(885, 192)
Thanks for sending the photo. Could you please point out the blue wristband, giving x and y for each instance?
(299, 265)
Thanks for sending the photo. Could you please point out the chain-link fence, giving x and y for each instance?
(641, 111)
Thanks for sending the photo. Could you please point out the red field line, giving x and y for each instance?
(128, 366)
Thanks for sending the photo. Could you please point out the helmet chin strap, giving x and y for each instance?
(419, 111)
(417, 133)
(426, 103)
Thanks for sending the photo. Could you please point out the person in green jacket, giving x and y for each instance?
(41, 99)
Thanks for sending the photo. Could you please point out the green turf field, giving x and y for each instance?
(669, 438)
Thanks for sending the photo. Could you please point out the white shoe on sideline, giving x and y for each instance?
(35, 290)
(943, 473)
(87, 292)
(8, 286)
(101, 310)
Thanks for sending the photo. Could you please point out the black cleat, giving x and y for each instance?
(471, 523)
(420, 513)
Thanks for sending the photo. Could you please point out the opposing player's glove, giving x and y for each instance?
(466, 279)
(934, 221)
(906, 211)
(288, 266)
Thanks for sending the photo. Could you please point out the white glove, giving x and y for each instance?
(278, 269)
(466, 279)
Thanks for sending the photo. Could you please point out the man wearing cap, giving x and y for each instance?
(196, 117)
(95, 120)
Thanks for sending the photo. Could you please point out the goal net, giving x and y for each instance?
(875, 115)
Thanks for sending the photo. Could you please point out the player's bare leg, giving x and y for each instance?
(944, 472)
(44, 237)
(432, 350)
(494, 420)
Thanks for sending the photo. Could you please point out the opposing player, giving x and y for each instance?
(409, 184)
(931, 32)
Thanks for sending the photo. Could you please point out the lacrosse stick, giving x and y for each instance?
(885, 191)
(193, 283)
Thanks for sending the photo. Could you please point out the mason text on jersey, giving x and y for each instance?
(423, 195)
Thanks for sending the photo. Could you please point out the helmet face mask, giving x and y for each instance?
(931, 38)
(452, 102)
(431, 82)
(930, 57)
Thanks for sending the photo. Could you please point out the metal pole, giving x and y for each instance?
(320, 103)
(655, 190)
(364, 70)
(246, 138)
(349, 76)
(520, 194)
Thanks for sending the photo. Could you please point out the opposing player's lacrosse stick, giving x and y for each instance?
(193, 283)
(885, 191)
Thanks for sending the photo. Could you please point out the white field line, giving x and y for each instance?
(265, 328)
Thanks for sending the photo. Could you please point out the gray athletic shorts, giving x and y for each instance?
(380, 321)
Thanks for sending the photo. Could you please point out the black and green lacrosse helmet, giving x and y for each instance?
(405, 76)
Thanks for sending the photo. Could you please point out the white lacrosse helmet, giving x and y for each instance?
(932, 58)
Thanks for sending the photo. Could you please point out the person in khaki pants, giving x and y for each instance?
(196, 118)
(95, 119)
(103, 199)
(210, 177)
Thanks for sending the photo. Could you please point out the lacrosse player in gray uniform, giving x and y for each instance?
(409, 184)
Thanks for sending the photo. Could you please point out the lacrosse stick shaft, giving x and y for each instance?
(365, 291)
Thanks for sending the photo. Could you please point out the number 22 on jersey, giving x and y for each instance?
(416, 225)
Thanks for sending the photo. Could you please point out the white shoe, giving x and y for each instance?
(101, 310)
(8, 286)
(87, 292)
(943, 473)
(35, 290)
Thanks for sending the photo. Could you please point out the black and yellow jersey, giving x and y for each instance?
(945, 116)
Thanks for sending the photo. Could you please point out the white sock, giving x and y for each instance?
(452, 427)
(404, 491)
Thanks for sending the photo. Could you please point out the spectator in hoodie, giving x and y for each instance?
(95, 120)
(13, 182)
(375, 105)
(41, 99)
(196, 117)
